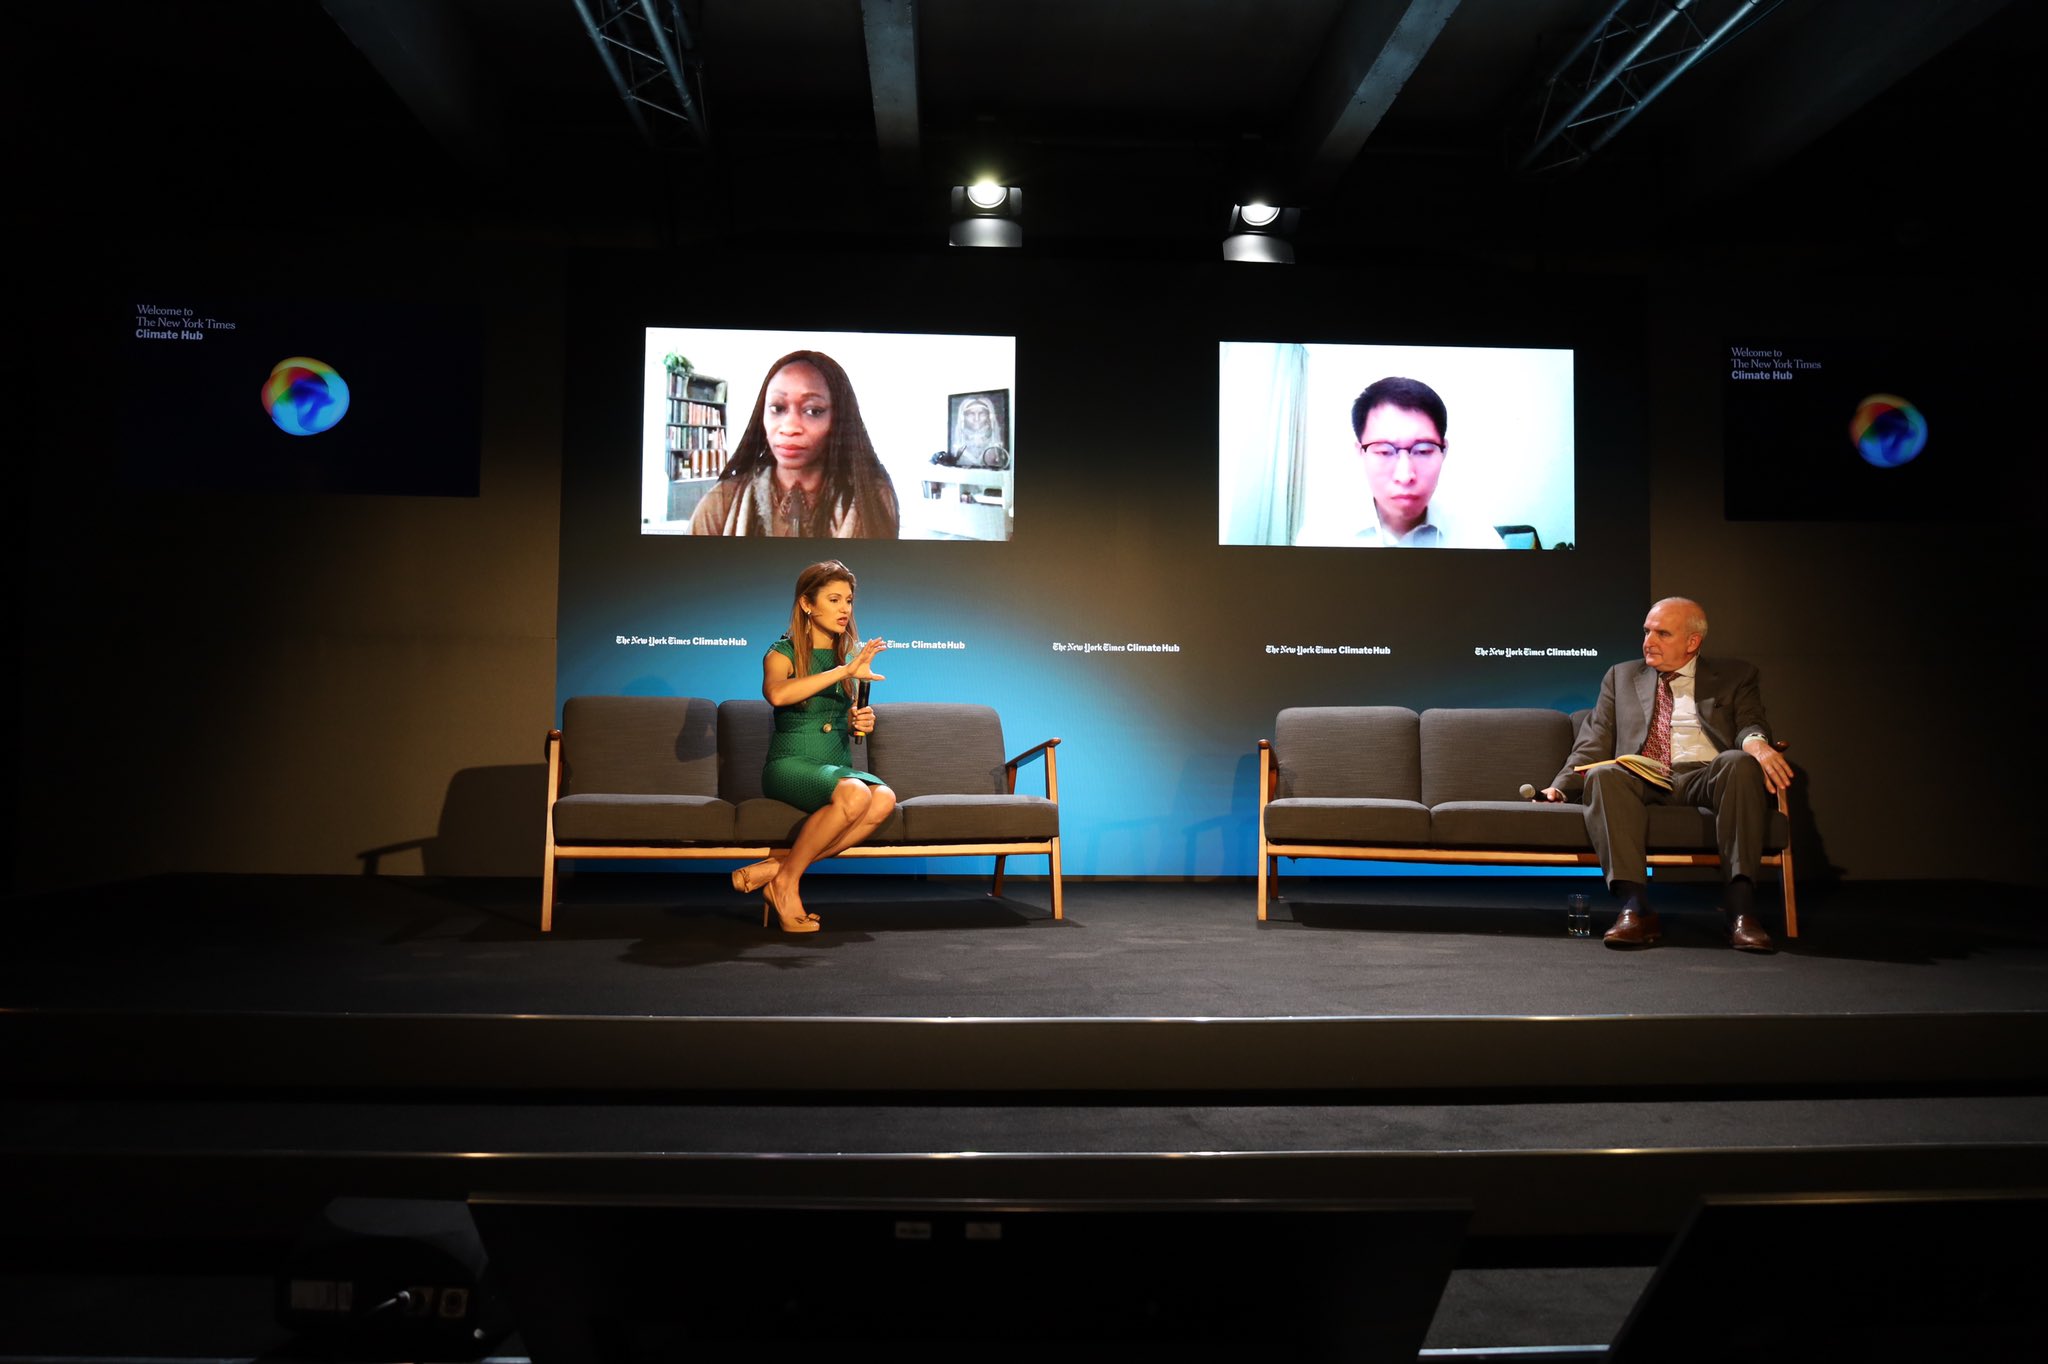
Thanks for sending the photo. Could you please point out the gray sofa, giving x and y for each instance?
(668, 777)
(1386, 784)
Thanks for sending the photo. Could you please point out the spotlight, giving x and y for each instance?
(985, 214)
(1261, 232)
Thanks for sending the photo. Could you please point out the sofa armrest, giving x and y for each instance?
(552, 749)
(1052, 780)
(1781, 745)
(547, 864)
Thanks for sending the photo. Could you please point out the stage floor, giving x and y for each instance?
(687, 945)
(230, 1052)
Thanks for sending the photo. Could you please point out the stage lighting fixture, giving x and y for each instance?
(1262, 232)
(985, 214)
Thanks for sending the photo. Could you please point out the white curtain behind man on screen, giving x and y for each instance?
(1262, 442)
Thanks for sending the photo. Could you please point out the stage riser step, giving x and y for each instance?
(138, 1193)
(93, 1050)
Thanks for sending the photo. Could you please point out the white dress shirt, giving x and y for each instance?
(1689, 743)
(1440, 528)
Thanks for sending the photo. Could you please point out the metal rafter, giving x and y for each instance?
(891, 30)
(646, 47)
(1623, 62)
(1373, 48)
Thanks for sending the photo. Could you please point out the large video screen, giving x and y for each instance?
(260, 390)
(1361, 446)
(1847, 429)
(819, 434)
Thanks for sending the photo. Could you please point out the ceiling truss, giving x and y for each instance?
(1629, 57)
(647, 50)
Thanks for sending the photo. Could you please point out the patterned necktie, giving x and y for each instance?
(1658, 745)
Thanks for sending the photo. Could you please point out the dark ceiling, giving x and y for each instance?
(1857, 126)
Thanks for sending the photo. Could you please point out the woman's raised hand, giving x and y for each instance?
(862, 664)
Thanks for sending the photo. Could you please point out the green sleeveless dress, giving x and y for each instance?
(813, 741)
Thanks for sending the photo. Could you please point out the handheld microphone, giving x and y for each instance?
(1528, 792)
(860, 698)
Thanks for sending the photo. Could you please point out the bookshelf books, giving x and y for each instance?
(696, 426)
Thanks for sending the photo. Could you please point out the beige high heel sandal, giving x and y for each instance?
(746, 886)
(770, 911)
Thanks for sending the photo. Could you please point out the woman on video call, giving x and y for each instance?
(804, 465)
(804, 676)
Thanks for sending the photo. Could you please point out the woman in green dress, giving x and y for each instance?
(804, 676)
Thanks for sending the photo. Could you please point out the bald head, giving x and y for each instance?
(1694, 615)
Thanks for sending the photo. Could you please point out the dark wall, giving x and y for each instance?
(1879, 641)
(277, 681)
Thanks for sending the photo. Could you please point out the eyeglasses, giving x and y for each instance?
(1422, 449)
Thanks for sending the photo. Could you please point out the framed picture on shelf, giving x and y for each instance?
(978, 429)
(971, 495)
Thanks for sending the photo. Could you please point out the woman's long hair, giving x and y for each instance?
(854, 475)
(809, 584)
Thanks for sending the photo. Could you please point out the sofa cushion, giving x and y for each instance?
(761, 820)
(639, 746)
(744, 729)
(1509, 824)
(1312, 819)
(633, 820)
(977, 819)
(1485, 754)
(1344, 752)
(938, 748)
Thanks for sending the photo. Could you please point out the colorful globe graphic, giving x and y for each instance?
(1888, 431)
(305, 396)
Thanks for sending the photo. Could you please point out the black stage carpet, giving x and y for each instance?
(194, 1065)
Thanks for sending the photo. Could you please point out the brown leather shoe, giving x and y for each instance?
(1635, 928)
(1747, 935)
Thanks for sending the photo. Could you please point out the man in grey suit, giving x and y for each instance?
(1717, 744)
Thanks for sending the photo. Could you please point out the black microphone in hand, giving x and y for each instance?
(1528, 792)
(860, 700)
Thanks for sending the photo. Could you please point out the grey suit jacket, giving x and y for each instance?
(1726, 690)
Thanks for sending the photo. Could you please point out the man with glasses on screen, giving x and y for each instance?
(1400, 427)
